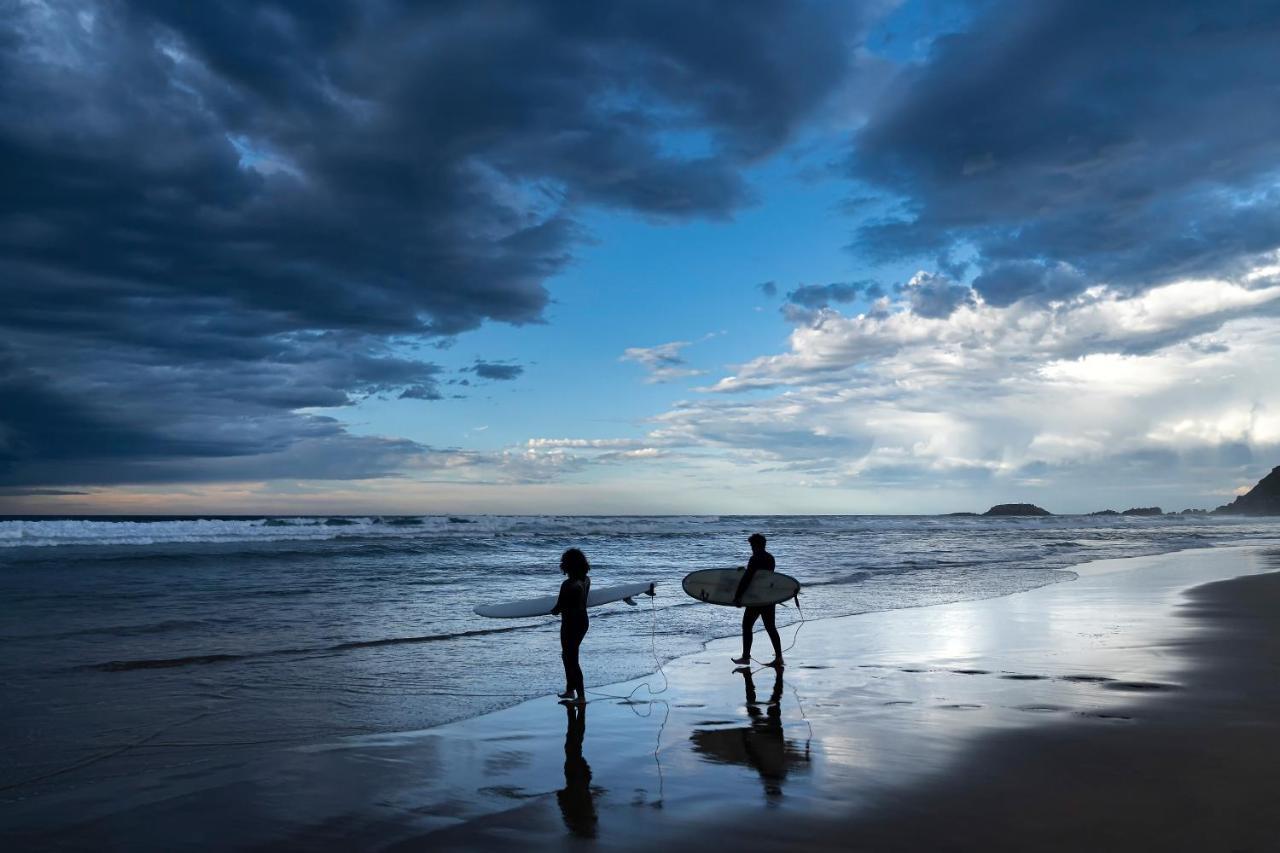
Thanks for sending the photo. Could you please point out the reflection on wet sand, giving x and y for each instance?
(577, 798)
(761, 745)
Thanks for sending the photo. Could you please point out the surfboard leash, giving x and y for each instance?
(653, 647)
(804, 716)
(662, 727)
(794, 636)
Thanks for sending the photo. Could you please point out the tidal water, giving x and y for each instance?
(181, 641)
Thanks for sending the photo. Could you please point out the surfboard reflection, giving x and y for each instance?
(577, 797)
(761, 745)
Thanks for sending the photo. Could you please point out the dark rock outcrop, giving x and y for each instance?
(961, 514)
(1262, 499)
(1017, 509)
(1143, 510)
(1194, 512)
(1105, 512)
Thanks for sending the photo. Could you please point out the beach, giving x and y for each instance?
(374, 375)
(1134, 707)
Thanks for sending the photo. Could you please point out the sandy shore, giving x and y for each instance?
(1137, 707)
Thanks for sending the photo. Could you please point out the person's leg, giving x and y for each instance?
(575, 676)
(771, 629)
(749, 617)
(569, 656)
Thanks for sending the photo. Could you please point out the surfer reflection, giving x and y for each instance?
(761, 745)
(576, 799)
(572, 609)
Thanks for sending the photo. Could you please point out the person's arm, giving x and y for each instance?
(561, 603)
(745, 582)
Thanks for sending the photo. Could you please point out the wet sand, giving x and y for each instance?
(1137, 707)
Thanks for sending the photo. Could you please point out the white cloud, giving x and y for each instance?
(983, 336)
(1253, 425)
(1170, 392)
(592, 443)
(663, 361)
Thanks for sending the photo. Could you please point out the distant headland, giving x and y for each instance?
(1262, 499)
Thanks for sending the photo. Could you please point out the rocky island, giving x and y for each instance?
(1017, 509)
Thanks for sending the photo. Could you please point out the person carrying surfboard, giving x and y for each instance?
(761, 561)
(571, 607)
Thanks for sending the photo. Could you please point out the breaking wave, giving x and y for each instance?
(29, 533)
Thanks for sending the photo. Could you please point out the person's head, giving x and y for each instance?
(756, 541)
(574, 564)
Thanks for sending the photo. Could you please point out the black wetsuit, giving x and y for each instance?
(572, 607)
(761, 562)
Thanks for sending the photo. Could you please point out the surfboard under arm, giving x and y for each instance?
(719, 586)
(542, 605)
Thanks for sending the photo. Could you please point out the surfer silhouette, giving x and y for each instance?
(571, 606)
(761, 561)
(577, 802)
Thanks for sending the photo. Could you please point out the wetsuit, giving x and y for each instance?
(761, 562)
(572, 607)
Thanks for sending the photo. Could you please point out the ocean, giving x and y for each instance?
(143, 643)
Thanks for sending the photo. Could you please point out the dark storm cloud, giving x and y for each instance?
(1134, 142)
(815, 296)
(804, 306)
(496, 370)
(421, 392)
(1007, 282)
(936, 296)
(127, 414)
(216, 215)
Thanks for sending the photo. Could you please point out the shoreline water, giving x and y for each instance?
(900, 761)
(360, 632)
(491, 780)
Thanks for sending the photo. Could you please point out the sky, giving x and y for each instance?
(637, 257)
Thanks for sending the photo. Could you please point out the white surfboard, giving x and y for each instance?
(717, 586)
(542, 605)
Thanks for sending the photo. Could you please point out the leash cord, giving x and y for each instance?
(794, 636)
(653, 647)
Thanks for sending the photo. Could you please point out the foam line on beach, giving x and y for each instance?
(201, 660)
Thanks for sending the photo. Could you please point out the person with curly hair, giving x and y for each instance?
(571, 607)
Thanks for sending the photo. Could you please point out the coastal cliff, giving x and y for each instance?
(1262, 499)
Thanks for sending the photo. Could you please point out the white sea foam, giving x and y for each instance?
(1107, 532)
(55, 532)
